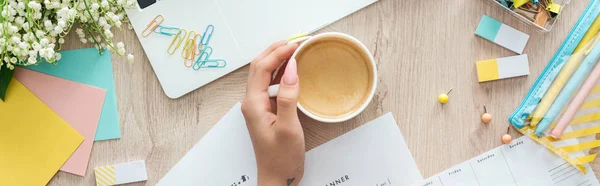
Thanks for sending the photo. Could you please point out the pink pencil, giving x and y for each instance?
(578, 100)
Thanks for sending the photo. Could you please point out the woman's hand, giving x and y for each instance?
(274, 127)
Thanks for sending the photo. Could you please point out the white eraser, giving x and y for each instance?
(121, 173)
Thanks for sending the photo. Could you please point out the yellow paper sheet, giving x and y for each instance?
(34, 141)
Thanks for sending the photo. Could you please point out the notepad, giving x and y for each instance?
(501, 68)
(501, 34)
(34, 141)
(374, 153)
(78, 104)
(520, 163)
(88, 67)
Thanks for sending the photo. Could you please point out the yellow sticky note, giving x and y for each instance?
(34, 141)
(487, 70)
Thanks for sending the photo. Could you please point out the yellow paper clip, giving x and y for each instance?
(153, 25)
(176, 42)
(189, 45)
(200, 46)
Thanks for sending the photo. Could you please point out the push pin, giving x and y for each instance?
(443, 98)
(486, 117)
(506, 138)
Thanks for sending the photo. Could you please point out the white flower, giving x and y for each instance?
(104, 3)
(95, 6)
(130, 58)
(108, 34)
(58, 56)
(13, 60)
(83, 40)
(61, 40)
(121, 51)
(31, 60)
(120, 45)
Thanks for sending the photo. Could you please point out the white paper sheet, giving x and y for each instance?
(373, 154)
(243, 28)
(520, 163)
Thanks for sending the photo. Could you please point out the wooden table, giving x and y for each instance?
(423, 48)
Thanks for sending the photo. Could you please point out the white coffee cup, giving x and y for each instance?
(274, 89)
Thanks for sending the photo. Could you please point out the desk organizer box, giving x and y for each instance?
(554, 10)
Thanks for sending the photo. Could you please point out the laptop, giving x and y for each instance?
(242, 29)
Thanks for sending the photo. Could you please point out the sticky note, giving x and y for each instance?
(88, 67)
(501, 34)
(78, 104)
(507, 67)
(121, 173)
(34, 141)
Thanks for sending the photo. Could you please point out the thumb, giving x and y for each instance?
(289, 89)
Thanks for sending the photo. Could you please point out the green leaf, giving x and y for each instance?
(5, 77)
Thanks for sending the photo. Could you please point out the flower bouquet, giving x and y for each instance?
(32, 31)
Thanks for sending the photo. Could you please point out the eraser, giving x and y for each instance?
(501, 34)
(501, 68)
(121, 173)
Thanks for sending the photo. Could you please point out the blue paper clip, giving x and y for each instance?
(166, 30)
(205, 55)
(205, 39)
(213, 63)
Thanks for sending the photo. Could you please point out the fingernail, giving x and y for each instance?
(290, 77)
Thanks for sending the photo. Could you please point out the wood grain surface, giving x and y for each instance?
(422, 48)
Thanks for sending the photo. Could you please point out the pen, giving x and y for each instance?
(564, 74)
(578, 100)
(570, 88)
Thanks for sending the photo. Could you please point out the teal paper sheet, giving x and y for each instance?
(88, 67)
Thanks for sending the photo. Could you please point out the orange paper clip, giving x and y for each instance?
(153, 25)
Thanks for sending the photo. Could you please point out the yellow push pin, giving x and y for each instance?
(443, 98)
(506, 138)
(486, 117)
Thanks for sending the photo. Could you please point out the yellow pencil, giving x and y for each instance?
(564, 75)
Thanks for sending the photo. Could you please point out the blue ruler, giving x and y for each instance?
(541, 85)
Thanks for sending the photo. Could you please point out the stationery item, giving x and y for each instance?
(121, 173)
(34, 141)
(325, 60)
(501, 68)
(166, 30)
(88, 67)
(501, 34)
(565, 73)
(78, 104)
(542, 15)
(570, 88)
(177, 40)
(443, 98)
(224, 156)
(541, 85)
(239, 38)
(486, 117)
(520, 163)
(153, 25)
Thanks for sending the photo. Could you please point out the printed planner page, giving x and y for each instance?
(520, 163)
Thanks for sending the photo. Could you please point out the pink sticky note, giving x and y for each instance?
(78, 104)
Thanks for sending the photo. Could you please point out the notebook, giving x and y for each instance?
(373, 154)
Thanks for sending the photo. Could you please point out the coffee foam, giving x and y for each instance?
(336, 77)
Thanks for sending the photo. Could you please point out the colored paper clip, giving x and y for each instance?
(213, 63)
(206, 39)
(189, 47)
(205, 55)
(166, 30)
(199, 48)
(153, 25)
(177, 40)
